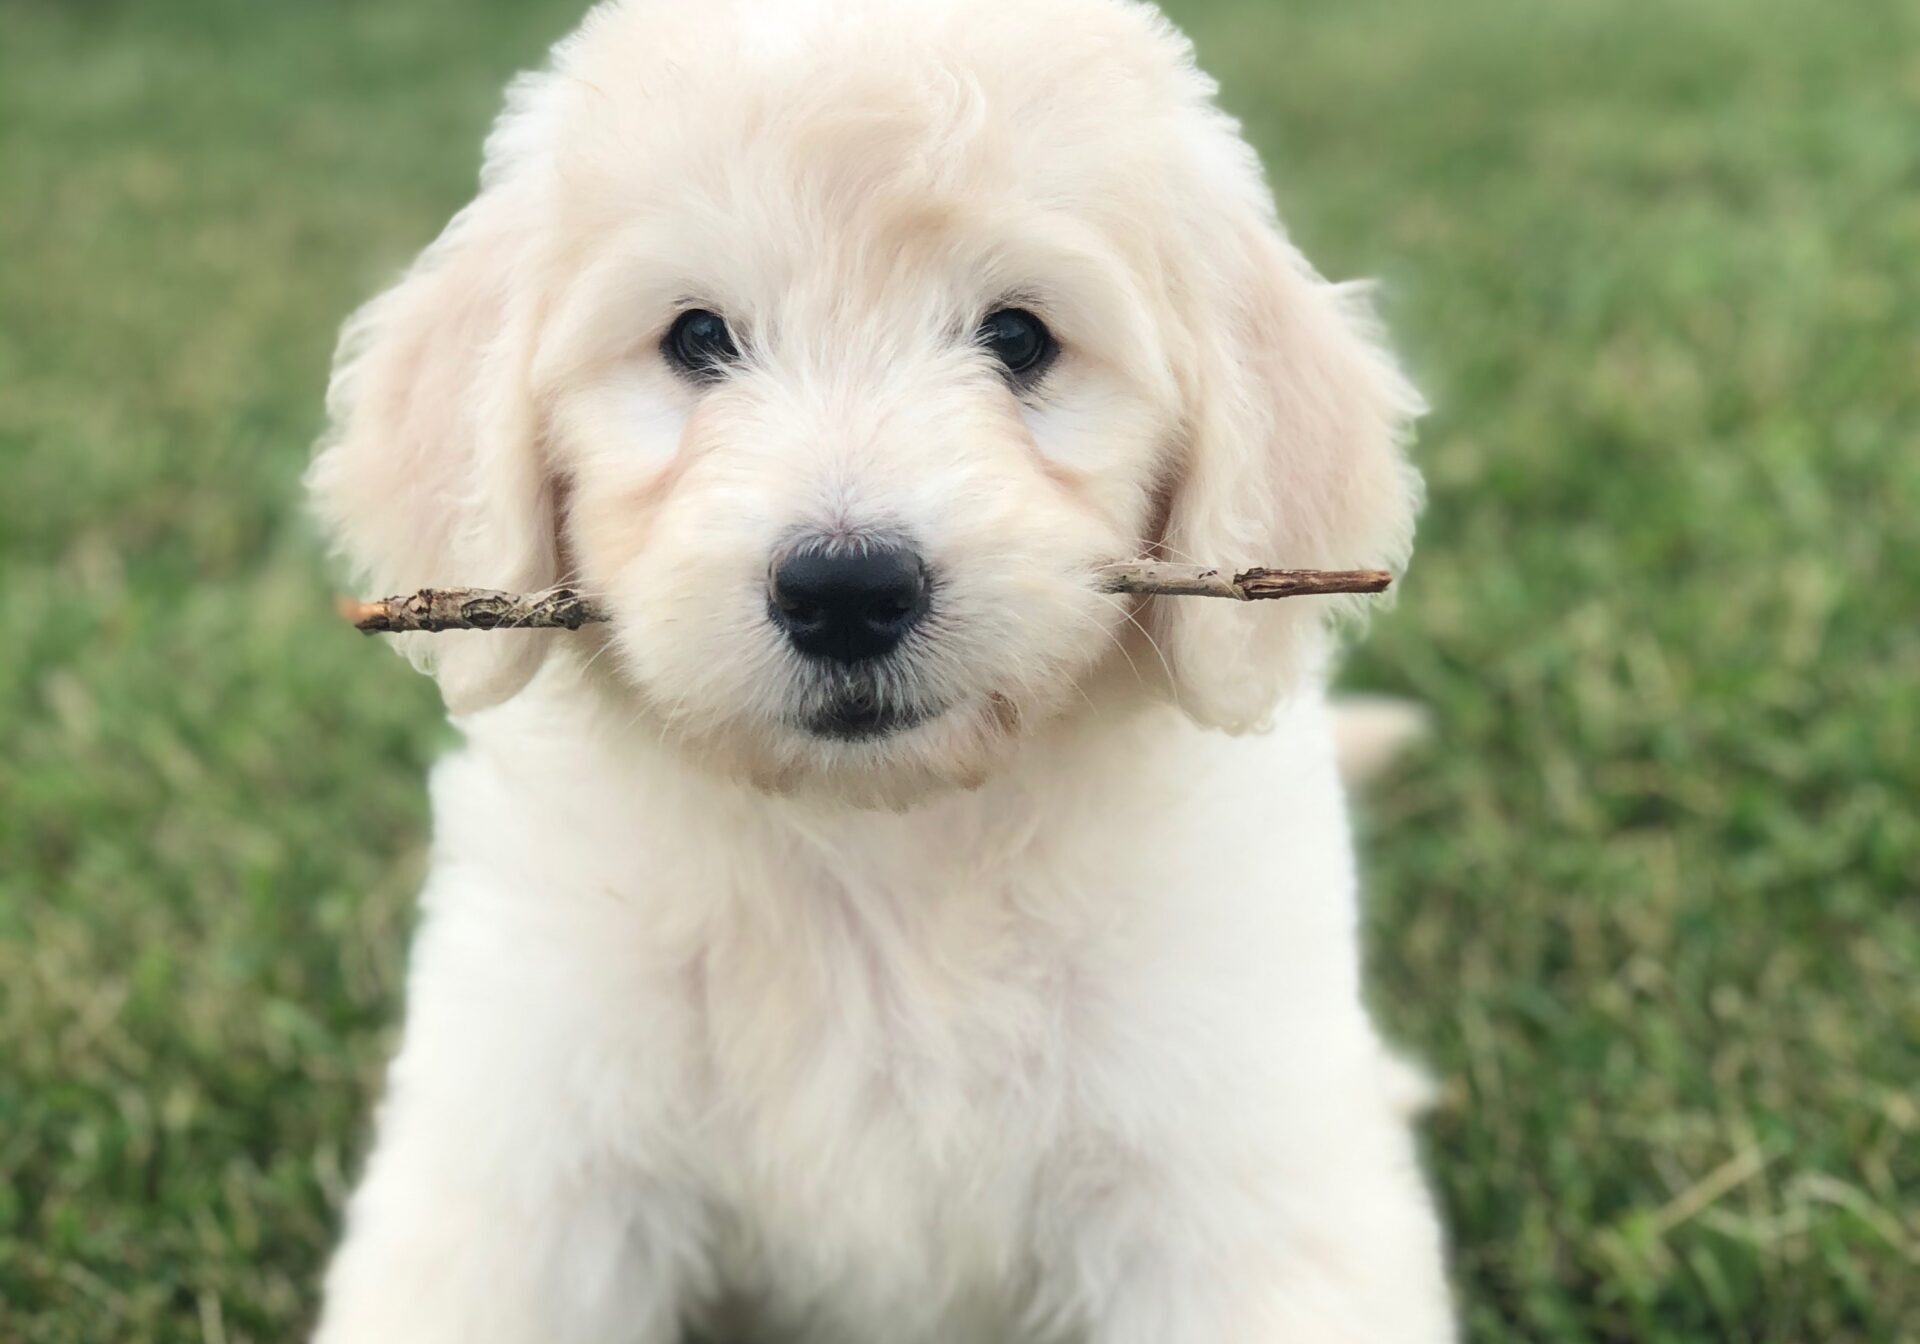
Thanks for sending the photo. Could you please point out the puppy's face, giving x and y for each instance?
(844, 443)
(834, 357)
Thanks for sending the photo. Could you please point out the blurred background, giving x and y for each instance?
(1650, 903)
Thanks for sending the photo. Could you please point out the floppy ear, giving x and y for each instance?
(1296, 422)
(431, 473)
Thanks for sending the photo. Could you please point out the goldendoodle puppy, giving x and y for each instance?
(876, 933)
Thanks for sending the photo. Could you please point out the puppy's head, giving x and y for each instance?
(833, 347)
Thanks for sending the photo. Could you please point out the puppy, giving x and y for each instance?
(875, 933)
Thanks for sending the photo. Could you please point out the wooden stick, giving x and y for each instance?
(1151, 578)
(438, 609)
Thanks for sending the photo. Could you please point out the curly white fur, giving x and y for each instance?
(1040, 1020)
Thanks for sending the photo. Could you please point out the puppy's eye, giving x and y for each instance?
(700, 346)
(1021, 342)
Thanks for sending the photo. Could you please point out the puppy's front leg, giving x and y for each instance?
(455, 1238)
(515, 1194)
(1325, 1236)
(1372, 1279)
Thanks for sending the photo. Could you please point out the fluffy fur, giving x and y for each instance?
(1040, 1020)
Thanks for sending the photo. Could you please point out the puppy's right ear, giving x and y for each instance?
(1298, 419)
(430, 474)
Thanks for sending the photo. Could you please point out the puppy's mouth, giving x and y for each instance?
(861, 708)
(863, 721)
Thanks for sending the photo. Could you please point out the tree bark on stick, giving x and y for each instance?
(438, 609)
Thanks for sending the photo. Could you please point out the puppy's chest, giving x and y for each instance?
(882, 1083)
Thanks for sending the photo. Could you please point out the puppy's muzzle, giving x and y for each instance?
(848, 603)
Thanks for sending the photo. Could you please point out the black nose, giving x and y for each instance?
(849, 604)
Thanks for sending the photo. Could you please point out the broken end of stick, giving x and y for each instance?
(366, 617)
(1259, 585)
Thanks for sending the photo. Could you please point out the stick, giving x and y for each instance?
(1150, 578)
(438, 609)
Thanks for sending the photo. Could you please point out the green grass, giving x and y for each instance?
(1651, 905)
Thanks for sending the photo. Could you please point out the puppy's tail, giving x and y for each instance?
(1371, 733)
(1410, 1089)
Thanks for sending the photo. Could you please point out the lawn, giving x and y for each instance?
(1650, 904)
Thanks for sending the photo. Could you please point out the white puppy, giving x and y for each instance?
(869, 936)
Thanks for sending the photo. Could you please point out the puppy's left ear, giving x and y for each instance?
(432, 474)
(1297, 418)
